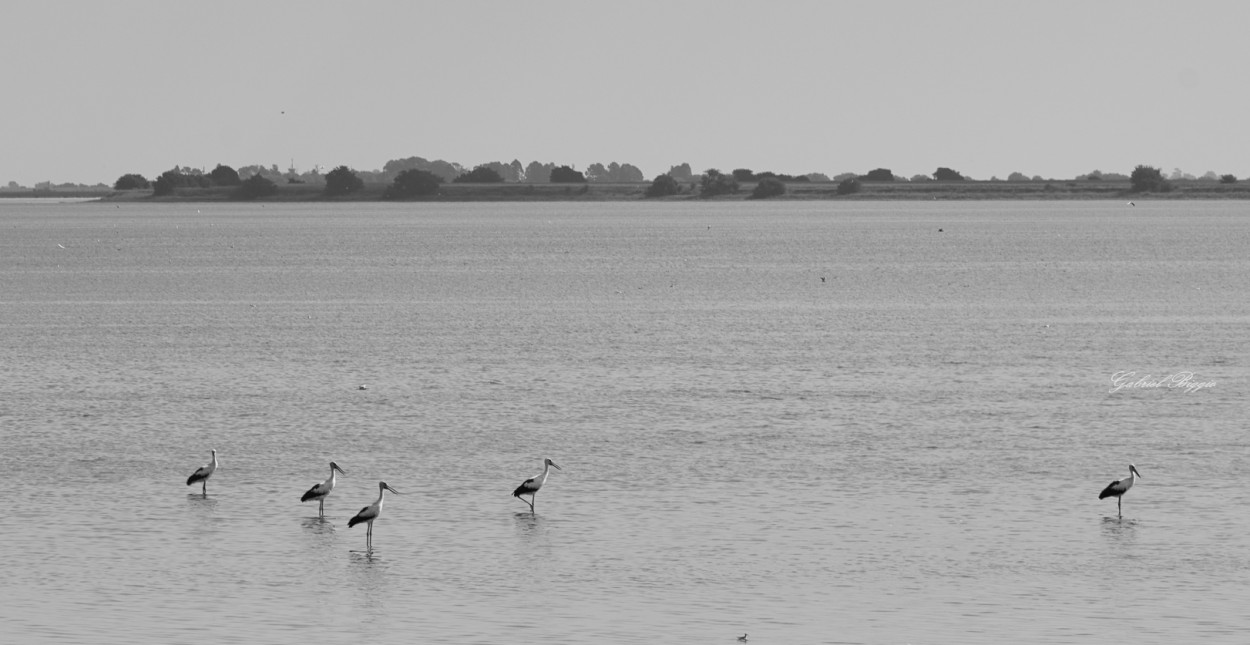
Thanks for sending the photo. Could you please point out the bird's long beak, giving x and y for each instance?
(388, 487)
(556, 467)
(341, 471)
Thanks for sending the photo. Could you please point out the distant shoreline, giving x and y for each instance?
(625, 192)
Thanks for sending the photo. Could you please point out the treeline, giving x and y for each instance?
(258, 181)
(417, 177)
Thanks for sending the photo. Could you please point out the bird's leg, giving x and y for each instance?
(369, 538)
(533, 500)
(204, 490)
(1119, 512)
(321, 508)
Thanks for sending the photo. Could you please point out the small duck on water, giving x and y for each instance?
(742, 638)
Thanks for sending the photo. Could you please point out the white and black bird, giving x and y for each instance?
(742, 638)
(320, 491)
(370, 513)
(202, 474)
(1118, 488)
(530, 486)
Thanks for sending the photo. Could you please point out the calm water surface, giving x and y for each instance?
(814, 423)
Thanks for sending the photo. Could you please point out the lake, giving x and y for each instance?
(826, 422)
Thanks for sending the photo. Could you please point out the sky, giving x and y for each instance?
(94, 90)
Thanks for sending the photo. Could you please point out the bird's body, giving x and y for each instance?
(530, 486)
(1118, 488)
(202, 474)
(320, 491)
(742, 638)
(370, 513)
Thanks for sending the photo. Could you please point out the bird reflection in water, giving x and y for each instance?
(318, 525)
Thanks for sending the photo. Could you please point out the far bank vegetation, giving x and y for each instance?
(416, 178)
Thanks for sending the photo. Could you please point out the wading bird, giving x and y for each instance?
(530, 486)
(203, 473)
(1118, 488)
(320, 491)
(370, 513)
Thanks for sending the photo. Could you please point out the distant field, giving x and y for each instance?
(511, 192)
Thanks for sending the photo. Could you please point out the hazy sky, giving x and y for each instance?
(93, 90)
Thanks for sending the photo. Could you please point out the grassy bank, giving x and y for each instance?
(930, 190)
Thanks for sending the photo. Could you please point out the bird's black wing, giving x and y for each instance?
(196, 476)
(525, 488)
(358, 519)
(311, 494)
(1110, 490)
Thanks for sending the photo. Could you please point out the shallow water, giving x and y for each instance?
(814, 423)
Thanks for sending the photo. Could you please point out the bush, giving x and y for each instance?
(255, 186)
(131, 182)
(1146, 179)
(768, 187)
(413, 183)
(715, 183)
(1228, 179)
(880, 174)
(172, 179)
(224, 176)
(946, 174)
(663, 186)
(566, 175)
(479, 175)
(342, 181)
(743, 174)
(849, 186)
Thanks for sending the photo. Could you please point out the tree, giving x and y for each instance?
(768, 187)
(342, 181)
(613, 172)
(566, 175)
(681, 172)
(479, 175)
(131, 182)
(880, 174)
(443, 169)
(538, 173)
(224, 176)
(1017, 176)
(597, 172)
(946, 174)
(176, 178)
(255, 186)
(1228, 179)
(626, 173)
(1147, 179)
(413, 183)
(505, 172)
(663, 186)
(715, 183)
(849, 186)
(743, 174)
